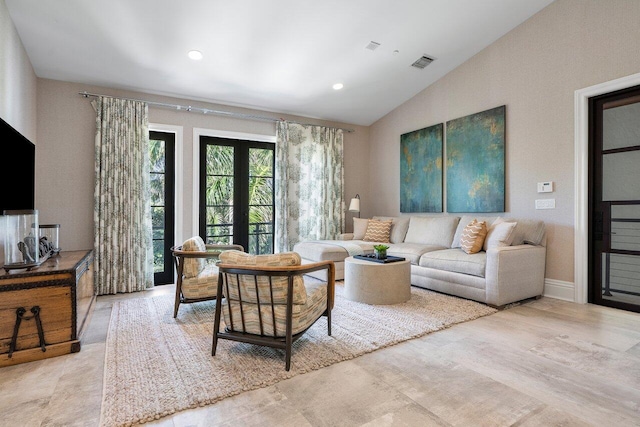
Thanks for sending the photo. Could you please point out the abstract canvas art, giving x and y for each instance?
(421, 170)
(475, 162)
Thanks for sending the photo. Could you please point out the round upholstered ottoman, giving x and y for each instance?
(377, 283)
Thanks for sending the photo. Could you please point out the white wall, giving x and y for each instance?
(17, 80)
(17, 89)
(534, 70)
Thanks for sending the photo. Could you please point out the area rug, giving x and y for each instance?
(156, 365)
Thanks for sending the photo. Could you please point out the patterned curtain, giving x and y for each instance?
(123, 247)
(309, 184)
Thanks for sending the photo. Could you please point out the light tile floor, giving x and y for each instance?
(543, 363)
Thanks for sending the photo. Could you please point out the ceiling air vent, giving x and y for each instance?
(373, 45)
(422, 62)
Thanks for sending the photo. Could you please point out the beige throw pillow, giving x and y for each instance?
(378, 231)
(472, 237)
(359, 228)
(193, 266)
(500, 234)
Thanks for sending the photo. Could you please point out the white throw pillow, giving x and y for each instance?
(500, 234)
(359, 228)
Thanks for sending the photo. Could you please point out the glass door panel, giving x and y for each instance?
(238, 193)
(261, 204)
(615, 200)
(220, 185)
(162, 171)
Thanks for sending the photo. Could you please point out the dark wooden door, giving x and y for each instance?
(237, 193)
(614, 278)
(162, 170)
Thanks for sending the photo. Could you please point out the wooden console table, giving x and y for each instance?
(44, 311)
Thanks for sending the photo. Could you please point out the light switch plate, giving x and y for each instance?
(545, 203)
(545, 187)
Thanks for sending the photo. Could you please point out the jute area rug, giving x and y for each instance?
(156, 365)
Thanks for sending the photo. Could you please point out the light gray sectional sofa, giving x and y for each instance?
(509, 269)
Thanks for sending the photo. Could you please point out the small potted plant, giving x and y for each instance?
(380, 251)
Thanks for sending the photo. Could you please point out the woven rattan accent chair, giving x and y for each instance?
(267, 300)
(197, 272)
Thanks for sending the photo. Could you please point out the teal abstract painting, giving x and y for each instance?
(421, 170)
(475, 162)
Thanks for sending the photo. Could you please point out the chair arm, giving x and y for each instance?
(213, 251)
(220, 248)
(269, 270)
(345, 236)
(514, 273)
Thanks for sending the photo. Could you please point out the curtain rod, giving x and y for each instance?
(190, 109)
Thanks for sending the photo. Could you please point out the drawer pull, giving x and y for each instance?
(20, 316)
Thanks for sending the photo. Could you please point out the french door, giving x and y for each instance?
(162, 170)
(237, 193)
(614, 279)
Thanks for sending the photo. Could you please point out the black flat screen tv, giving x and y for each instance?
(17, 170)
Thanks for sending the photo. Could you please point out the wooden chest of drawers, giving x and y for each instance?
(44, 311)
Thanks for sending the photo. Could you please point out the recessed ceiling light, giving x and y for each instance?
(338, 86)
(196, 55)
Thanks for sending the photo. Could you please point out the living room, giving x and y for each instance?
(536, 70)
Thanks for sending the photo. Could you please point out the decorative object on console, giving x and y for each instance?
(421, 170)
(476, 162)
(380, 251)
(21, 249)
(354, 206)
(51, 235)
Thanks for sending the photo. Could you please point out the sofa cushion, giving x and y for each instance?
(436, 231)
(399, 227)
(204, 285)
(378, 231)
(411, 251)
(473, 236)
(359, 228)
(501, 233)
(456, 261)
(279, 284)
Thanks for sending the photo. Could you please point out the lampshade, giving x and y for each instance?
(354, 206)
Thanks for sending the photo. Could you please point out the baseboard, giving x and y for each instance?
(559, 289)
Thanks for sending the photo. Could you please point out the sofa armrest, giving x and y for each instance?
(345, 236)
(514, 273)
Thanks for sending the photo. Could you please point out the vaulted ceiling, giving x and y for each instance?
(278, 55)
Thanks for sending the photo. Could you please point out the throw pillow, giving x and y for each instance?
(472, 237)
(500, 234)
(378, 231)
(399, 227)
(359, 228)
(193, 266)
